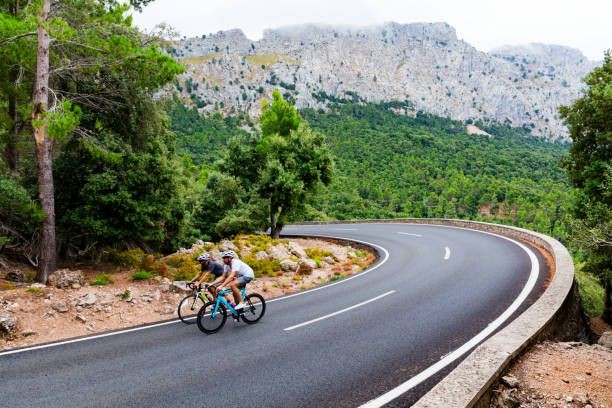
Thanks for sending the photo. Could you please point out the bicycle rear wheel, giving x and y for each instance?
(209, 324)
(254, 309)
(188, 308)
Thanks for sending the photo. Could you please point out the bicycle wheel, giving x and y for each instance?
(254, 309)
(189, 308)
(207, 323)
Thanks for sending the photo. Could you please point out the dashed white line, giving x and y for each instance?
(410, 233)
(365, 302)
(446, 253)
(385, 257)
(449, 358)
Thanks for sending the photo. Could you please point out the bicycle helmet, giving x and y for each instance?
(203, 257)
(230, 254)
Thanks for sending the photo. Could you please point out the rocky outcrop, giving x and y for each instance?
(65, 278)
(424, 66)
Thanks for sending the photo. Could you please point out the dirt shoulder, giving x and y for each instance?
(48, 313)
(554, 375)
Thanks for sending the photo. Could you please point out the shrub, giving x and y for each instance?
(263, 267)
(102, 279)
(186, 272)
(36, 291)
(336, 277)
(317, 255)
(163, 270)
(591, 292)
(142, 275)
(130, 258)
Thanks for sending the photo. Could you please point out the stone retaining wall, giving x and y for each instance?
(556, 314)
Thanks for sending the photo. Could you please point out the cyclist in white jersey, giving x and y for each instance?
(238, 275)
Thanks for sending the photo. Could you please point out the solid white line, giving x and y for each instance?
(446, 253)
(409, 233)
(446, 360)
(97, 336)
(365, 302)
(345, 229)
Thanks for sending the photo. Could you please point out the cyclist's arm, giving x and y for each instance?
(203, 277)
(228, 278)
(196, 277)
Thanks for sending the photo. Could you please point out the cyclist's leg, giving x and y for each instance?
(213, 286)
(240, 283)
(234, 286)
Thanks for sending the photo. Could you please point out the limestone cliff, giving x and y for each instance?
(423, 64)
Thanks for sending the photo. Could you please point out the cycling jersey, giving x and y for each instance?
(215, 268)
(240, 268)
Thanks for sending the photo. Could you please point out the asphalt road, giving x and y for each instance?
(431, 292)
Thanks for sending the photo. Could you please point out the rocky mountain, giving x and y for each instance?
(423, 66)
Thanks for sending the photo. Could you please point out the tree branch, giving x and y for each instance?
(17, 37)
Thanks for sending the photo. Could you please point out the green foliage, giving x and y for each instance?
(263, 267)
(317, 255)
(589, 167)
(102, 279)
(20, 216)
(36, 291)
(591, 291)
(131, 258)
(141, 275)
(278, 117)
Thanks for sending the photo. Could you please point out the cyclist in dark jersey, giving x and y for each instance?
(208, 266)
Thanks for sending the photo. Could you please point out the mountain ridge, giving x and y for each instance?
(424, 65)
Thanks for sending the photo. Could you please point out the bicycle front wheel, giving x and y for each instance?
(254, 309)
(208, 323)
(188, 308)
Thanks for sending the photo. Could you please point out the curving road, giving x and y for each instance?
(381, 337)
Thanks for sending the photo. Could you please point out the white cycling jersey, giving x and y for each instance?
(240, 268)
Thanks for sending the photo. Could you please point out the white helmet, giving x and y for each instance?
(231, 254)
(203, 257)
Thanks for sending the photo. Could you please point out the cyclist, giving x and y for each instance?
(238, 275)
(207, 265)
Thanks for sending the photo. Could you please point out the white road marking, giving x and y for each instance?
(446, 360)
(409, 233)
(365, 302)
(446, 253)
(59, 343)
(345, 229)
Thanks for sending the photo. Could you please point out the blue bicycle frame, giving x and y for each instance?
(228, 306)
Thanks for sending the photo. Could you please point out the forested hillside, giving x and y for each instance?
(391, 165)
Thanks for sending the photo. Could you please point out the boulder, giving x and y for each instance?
(304, 268)
(88, 300)
(606, 340)
(179, 287)
(28, 332)
(15, 275)
(288, 265)
(65, 278)
(8, 324)
(297, 250)
(510, 381)
(227, 245)
(165, 310)
(61, 307)
(279, 252)
(261, 255)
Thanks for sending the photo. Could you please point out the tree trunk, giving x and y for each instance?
(607, 314)
(44, 149)
(275, 226)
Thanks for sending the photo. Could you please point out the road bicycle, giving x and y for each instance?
(212, 315)
(191, 304)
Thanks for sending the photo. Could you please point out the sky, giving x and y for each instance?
(485, 24)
